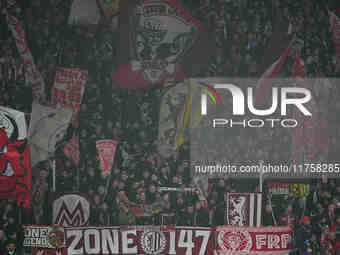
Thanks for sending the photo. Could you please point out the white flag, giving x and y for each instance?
(47, 128)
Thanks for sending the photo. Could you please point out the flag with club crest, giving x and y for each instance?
(244, 209)
(160, 44)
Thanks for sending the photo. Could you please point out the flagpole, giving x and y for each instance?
(261, 176)
(271, 206)
(53, 174)
(78, 165)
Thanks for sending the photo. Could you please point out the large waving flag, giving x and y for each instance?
(68, 91)
(171, 108)
(47, 128)
(160, 43)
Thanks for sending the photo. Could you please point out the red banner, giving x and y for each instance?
(68, 89)
(138, 240)
(169, 240)
(253, 241)
(106, 150)
(32, 73)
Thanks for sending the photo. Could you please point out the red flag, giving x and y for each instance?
(335, 27)
(32, 73)
(15, 157)
(106, 150)
(68, 90)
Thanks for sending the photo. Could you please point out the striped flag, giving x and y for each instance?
(335, 27)
(266, 81)
(244, 209)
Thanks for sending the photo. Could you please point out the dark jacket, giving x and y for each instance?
(302, 235)
(202, 218)
(185, 219)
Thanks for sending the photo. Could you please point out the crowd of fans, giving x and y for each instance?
(242, 30)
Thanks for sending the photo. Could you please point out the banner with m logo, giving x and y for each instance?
(71, 210)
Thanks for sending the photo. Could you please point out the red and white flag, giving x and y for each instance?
(32, 74)
(68, 89)
(106, 150)
(266, 81)
(335, 27)
(244, 209)
(71, 150)
(253, 241)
